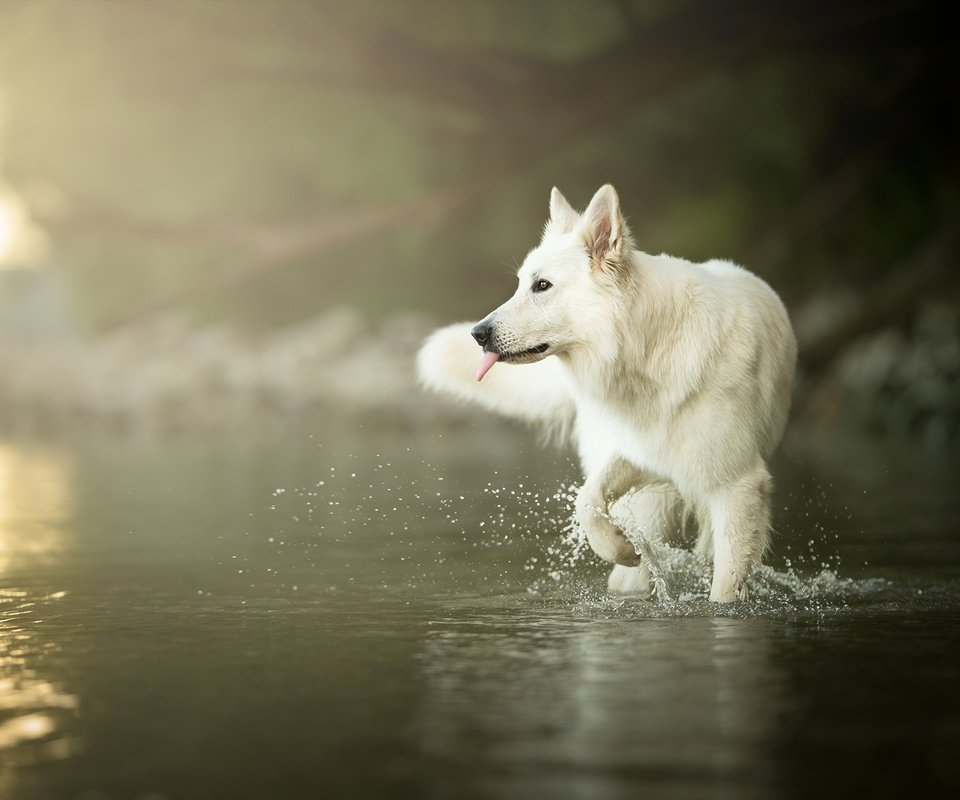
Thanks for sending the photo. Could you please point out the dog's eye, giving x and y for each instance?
(541, 285)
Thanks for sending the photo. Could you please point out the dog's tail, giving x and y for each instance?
(535, 393)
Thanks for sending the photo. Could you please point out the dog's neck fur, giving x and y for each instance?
(627, 364)
(603, 363)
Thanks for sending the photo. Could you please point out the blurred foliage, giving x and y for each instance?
(257, 161)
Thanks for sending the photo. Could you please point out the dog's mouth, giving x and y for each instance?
(527, 356)
(530, 354)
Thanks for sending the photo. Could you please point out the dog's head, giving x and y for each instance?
(567, 286)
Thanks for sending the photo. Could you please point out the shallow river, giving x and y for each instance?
(374, 613)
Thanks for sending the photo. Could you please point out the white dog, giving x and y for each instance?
(674, 378)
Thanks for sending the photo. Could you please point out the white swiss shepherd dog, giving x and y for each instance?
(674, 379)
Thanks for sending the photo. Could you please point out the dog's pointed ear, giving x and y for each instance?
(604, 230)
(563, 218)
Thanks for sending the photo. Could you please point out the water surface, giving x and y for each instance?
(367, 612)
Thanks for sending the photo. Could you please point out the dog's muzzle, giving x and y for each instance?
(482, 333)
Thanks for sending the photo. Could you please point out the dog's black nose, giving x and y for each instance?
(482, 332)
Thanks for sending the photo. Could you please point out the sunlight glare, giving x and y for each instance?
(7, 229)
(22, 244)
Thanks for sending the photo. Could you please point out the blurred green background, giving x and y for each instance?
(254, 166)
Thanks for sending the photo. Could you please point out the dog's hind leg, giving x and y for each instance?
(654, 512)
(739, 517)
(630, 580)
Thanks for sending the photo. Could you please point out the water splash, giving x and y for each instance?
(680, 583)
(509, 539)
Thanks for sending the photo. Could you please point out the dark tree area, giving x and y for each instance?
(258, 163)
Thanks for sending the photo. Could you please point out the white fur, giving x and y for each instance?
(674, 376)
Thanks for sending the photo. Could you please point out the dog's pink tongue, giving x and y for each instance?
(489, 359)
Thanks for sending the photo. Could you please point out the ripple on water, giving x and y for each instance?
(33, 708)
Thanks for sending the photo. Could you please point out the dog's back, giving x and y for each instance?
(729, 339)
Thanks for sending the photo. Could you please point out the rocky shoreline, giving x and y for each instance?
(168, 378)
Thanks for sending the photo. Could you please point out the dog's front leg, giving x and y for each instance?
(601, 490)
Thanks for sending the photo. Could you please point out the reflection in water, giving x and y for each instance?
(25, 728)
(30, 705)
(23, 692)
(35, 499)
(602, 704)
